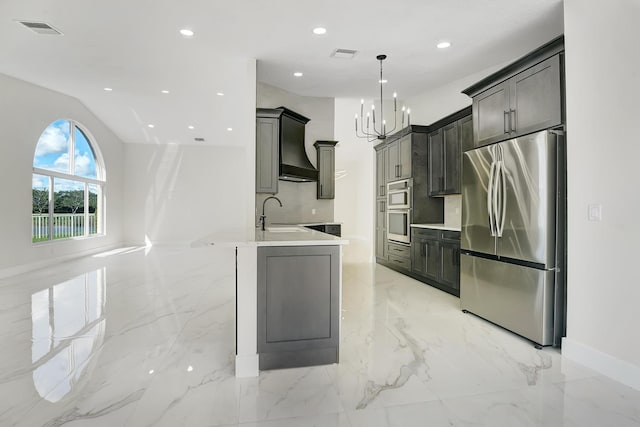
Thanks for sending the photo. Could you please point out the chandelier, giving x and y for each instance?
(378, 131)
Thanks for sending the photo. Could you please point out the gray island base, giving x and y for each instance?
(288, 297)
(298, 306)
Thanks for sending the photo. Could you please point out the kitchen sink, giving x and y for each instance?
(286, 230)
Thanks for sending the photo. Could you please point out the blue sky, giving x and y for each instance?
(52, 152)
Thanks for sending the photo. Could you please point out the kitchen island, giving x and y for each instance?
(288, 288)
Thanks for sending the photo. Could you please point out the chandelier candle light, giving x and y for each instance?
(380, 133)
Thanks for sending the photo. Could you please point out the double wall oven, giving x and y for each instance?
(399, 201)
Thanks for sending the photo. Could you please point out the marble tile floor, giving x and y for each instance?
(139, 337)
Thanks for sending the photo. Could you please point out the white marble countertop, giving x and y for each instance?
(436, 227)
(274, 236)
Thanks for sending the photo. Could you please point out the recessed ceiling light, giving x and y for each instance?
(151, 126)
(108, 89)
(297, 74)
(187, 32)
(443, 45)
(220, 94)
(191, 127)
(382, 81)
(229, 129)
(164, 91)
(319, 31)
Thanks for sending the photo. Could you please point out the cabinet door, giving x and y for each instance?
(418, 256)
(267, 161)
(393, 162)
(432, 259)
(491, 115)
(451, 145)
(466, 133)
(436, 166)
(536, 100)
(381, 214)
(298, 304)
(381, 177)
(326, 168)
(381, 243)
(450, 274)
(381, 229)
(404, 157)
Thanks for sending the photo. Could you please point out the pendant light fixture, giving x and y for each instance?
(378, 130)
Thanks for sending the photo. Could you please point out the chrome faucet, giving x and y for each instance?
(263, 218)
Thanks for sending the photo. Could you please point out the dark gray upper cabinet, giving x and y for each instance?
(445, 152)
(381, 171)
(267, 149)
(399, 159)
(524, 97)
(326, 156)
(466, 133)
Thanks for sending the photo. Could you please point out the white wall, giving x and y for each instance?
(355, 199)
(26, 110)
(602, 86)
(178, 193)
(299, 200)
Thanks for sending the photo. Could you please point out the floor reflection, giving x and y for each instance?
(68, 327)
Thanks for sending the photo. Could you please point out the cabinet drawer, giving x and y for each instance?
(400, 261)
(425, 233)
(450, 235)
(399, 250)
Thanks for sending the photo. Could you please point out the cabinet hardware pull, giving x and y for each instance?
(512, 120)
(507, 117)
(399, 171)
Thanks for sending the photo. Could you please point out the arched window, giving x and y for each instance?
(68, 184)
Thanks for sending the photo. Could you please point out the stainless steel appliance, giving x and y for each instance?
(399, 203)
(512, 240)
(399, 225)
(399, 194)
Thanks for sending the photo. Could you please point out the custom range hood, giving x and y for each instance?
(294, 163)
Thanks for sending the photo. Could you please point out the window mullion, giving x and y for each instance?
(72, 148)
(86, 209)
(51, 208)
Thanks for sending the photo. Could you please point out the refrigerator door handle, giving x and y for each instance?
(490, 201)
(503, 198)
(495, 199)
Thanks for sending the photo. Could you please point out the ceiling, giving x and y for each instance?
(134, 47)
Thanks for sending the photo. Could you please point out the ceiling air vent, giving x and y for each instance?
(344, 53)
(197, 139)
(40, 27)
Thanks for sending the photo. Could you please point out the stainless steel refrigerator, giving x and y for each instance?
(513, 234)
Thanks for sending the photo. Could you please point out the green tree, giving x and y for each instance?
(40, 202)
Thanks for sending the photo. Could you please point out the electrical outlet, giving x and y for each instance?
(594, 212)
(313, 211)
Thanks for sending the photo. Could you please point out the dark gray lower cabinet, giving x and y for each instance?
(435, 258)
(298, 306)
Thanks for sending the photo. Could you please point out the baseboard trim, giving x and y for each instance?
(619, 370)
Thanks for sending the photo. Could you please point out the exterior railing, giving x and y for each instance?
(64, 225)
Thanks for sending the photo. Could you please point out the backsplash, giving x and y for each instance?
(453, 211)
(298, 203)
